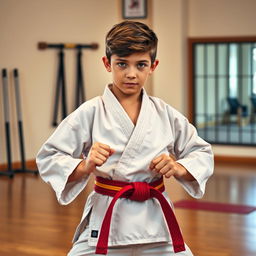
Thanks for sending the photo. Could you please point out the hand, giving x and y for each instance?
(167, 166)
(98, 155)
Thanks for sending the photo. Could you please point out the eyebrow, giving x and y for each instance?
(124, 60)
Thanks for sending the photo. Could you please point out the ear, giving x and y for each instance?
(153, 66)
(106, 63)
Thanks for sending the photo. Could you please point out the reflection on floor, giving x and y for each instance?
(32, 223)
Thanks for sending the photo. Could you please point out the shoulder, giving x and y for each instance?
(89, 105)
(163, 107)
(84, 114)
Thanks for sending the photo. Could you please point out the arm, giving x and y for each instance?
(61, 154)
(168, 167)
(98, 155)
(193, 162)
(193, 153)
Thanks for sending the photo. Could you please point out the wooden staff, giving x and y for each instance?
(44, 46)
(20, 126)
(9, 172)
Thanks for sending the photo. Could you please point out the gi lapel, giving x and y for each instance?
(140, 130)
(119, 113)
(135, 133)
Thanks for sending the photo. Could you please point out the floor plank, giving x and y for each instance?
(33, 223)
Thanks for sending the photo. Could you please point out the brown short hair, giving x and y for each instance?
(130, 37)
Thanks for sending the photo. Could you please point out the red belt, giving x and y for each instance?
(137, 191)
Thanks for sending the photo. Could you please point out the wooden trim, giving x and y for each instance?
(233, 39)
(30, 164)
(190, 83)
(235, 160)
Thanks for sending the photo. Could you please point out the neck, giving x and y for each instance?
(126, 98)
(130, 103)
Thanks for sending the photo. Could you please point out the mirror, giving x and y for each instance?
(223, 81)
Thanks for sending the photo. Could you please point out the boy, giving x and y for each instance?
(129, 141)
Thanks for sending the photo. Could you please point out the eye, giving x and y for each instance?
(142, 65)
(121, 64)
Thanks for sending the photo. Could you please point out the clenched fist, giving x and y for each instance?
(98, 155)
(168, 167)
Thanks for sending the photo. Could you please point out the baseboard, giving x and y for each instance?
(30, 164)
(235, 160)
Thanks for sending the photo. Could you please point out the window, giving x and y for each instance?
(223, 89)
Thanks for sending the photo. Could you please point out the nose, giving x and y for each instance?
(131, 73)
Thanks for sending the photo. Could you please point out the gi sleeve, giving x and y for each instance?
(60, 155)
(193, 153)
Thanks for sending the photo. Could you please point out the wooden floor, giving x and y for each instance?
(33, 224)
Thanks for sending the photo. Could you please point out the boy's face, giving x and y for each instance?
(130, 73)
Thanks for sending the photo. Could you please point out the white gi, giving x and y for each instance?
(159, 129)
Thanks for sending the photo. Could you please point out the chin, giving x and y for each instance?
(131, 90)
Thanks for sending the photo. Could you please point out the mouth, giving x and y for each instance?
(131, 84)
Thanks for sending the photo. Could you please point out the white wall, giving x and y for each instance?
(221, 18)
(169, 80)
(23, 23)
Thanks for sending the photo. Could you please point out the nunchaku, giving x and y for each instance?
(10, 171)
(60, 92)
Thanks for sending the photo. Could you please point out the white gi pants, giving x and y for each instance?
(81, 248)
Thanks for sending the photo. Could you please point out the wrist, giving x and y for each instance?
(183, 173)
(84, 168)
(180, 171)
(80, 171)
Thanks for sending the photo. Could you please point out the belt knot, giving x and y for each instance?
(141, 191)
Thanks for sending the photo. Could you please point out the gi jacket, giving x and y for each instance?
(159, 129)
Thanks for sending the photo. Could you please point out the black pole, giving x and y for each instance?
(63, 86)
(9, 171)
(57, 92)
(77, 79)
(19, 118)
(60, 90)
(80, 92)
(20, 125)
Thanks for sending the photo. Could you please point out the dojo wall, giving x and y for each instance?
(23, 23)
(223, 18)
(175, 21)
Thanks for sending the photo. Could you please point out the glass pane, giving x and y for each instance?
(233, 70)
(253, 58)
(199, 61)
(222, 59)
(200, 91)
(246, 59)
(210, 106)
(210, 60)
(225, 77)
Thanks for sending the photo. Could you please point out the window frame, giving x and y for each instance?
(192, 41)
